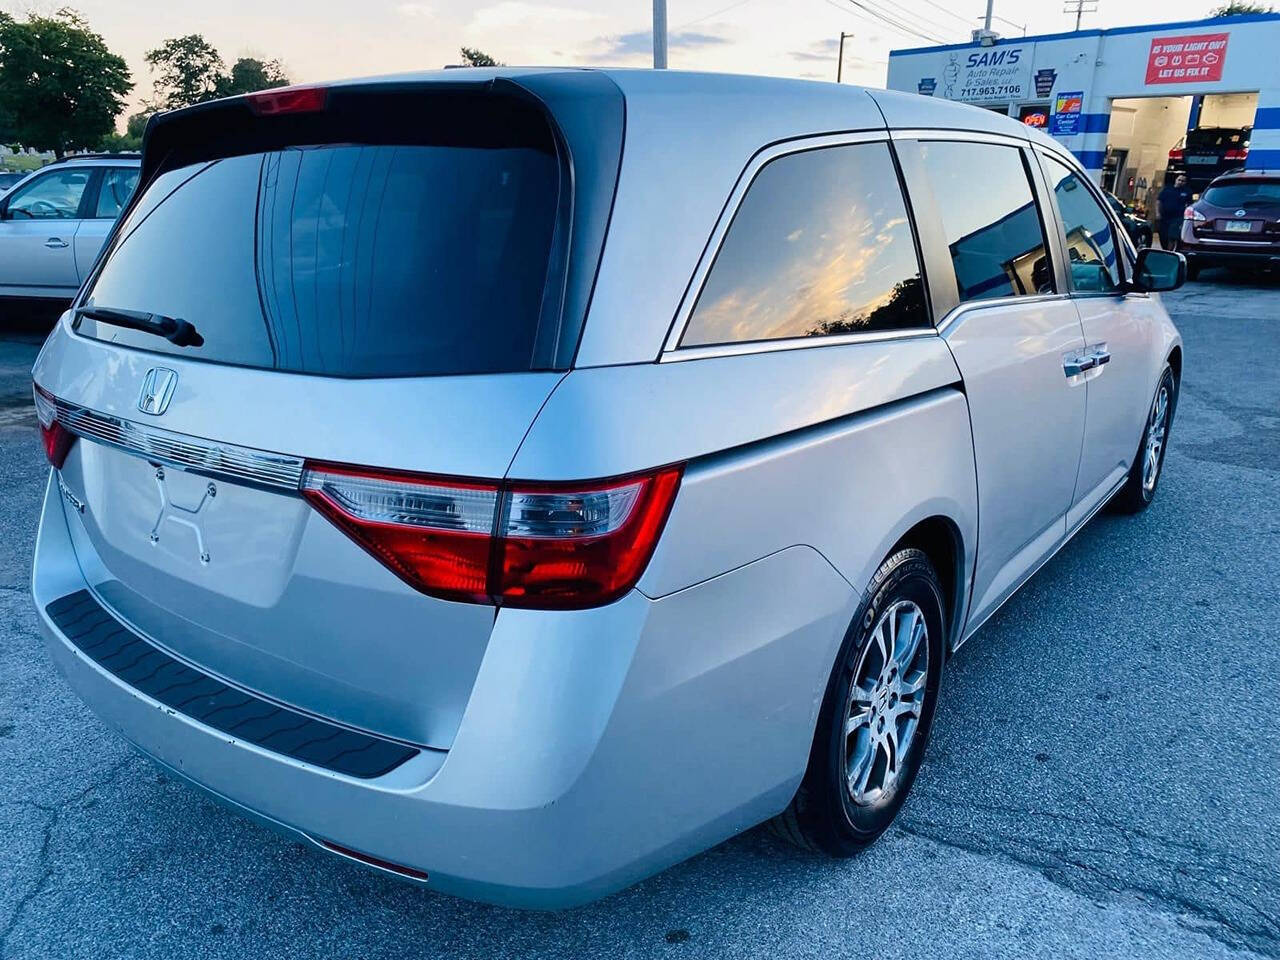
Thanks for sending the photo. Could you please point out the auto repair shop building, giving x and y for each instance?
(1120, 99)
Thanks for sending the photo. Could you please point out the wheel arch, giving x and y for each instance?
(940, 538)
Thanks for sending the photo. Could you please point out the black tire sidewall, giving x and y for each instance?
(907, 575)
(1166, 381)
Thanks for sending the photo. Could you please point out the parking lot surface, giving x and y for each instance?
(1104, 778)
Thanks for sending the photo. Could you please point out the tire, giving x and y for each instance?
(1140, 486)
(825, 815)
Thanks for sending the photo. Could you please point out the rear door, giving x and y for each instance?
(354, 292)
(108, 197)
(38, 223)
(1013, 333)
(1121, 344)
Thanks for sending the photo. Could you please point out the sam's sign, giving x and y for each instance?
(993, 74)
(1194, 57)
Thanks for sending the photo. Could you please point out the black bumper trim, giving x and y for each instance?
(237, 713)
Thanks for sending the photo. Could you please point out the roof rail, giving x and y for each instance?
(96, 156)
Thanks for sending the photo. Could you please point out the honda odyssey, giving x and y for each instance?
(521, 480)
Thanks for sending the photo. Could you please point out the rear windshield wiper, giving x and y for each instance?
(178, 332)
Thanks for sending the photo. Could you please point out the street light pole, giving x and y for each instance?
(986, 26)
(840, 63)
(659, 34)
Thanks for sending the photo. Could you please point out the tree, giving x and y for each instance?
(131, 139)
(60, 87)
(249, 74)
(190, 71)
(478, 58)
(1234, 8)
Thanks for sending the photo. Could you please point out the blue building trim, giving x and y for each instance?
(1092, 159)
(1263, 160)
(1095, 122)
(1112, 32)
(1267, 118)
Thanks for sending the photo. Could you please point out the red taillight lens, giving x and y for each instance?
(1175, 153)
(56, 438)
(1191, 213)
(270, 103)
(1240, 153)
(559, 545)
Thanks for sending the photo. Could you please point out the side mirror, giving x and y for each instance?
(1158, 270)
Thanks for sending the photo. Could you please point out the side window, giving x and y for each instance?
(117, 187)
(821, 245)
(1091, 241)
(53, 196)
(989, 216)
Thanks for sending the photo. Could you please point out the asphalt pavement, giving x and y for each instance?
(1104, 778)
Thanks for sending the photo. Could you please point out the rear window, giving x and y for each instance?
(1212, 138)
(1248, 194)
(344, 259)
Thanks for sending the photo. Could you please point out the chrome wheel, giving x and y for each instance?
(1157, 427)
(886, 701)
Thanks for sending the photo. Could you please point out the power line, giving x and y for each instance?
(893, 21)
(949, 13)
(877, 22)
(708, 16)
(921, 18)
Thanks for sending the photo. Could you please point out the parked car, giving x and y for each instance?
(1140, 231)
(1208, 152)
(8, 179)
(394, 504)
(54, 222)
(1235, 223)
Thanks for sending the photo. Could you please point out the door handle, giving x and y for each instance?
(1101, 356)
(55, 243)
(1075, 366)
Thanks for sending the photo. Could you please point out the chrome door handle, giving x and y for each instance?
(1078, 365)
(1101, 356)
(55, 243)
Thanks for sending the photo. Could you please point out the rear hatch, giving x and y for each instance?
(1240, 208)
(388, 275)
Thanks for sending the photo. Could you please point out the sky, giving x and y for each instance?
(328, 39)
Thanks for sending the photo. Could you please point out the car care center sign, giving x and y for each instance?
(1198, 56)
(991, 74)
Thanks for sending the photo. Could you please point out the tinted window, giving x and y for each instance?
(989, 216)
(820, 245)
(1091, 241)
(52, 196)
(1249, 194)
(117, 187)
(1212, 138)
(344, 260)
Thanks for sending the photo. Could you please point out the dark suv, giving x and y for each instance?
(1236, 222)
(1208, 152)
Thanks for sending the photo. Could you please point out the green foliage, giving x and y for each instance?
(478, 58)
(131, 140)
(190, 70)
(249, 74)
(1234, 8)
(60, 87)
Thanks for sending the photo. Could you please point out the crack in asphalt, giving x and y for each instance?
(52, 813)
(1197, 893)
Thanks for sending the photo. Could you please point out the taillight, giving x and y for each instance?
(1237, 153)
(1191, 213)
(56, 438)
(1175, 153)
(279, 100)
(541, 545)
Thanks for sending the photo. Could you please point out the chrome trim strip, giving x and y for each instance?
(970, 306)
(792, 343)
(206, 457)
(1264, 242)
(977, 136)
(694, 289)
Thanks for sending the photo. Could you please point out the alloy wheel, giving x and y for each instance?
(1157, 427)
(886, 701)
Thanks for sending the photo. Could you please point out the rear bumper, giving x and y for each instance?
(1226, 253)
(597, 748)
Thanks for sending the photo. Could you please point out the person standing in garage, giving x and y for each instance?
(1172, 203)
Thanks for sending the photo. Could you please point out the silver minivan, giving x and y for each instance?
(520, 480)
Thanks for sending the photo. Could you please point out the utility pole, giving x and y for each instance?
(840, 63)
(986, 23)
(1079, 7)
(659, 34)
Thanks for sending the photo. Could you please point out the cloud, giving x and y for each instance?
(517, 13)
(823, 50)
(415, 10)
(640, 42)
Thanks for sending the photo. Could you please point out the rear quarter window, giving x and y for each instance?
(821, 245)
